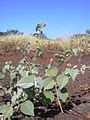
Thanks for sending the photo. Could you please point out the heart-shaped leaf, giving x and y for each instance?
(75, 51)
(73, 73)
(63, 94)
(62, 80)
(40, 82)
(27, 108)
(49, 83)
(51, 72)
(26, 81)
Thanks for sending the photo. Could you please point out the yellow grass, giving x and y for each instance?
(13, 41)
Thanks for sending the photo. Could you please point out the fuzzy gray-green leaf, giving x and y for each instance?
(27, 108)
(51, 72)
(62, 80)
(26, 81)
(73, 73)
(49, 83)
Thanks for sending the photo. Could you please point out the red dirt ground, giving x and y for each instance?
(81, 86)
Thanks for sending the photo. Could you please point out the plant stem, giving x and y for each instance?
(58, 99)
(60, 104)
(68, 58)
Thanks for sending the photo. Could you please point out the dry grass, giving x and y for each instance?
(13, 41)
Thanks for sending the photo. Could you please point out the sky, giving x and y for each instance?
(62, 17)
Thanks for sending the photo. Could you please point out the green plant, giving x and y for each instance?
(39, 32)
(26, 87)
(39, 51)
(67, 55)
(88, 31)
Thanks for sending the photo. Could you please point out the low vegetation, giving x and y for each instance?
(26, 91)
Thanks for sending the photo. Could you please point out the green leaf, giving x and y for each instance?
(6, 110)
(27, 108)
(5, 68)
(63, 94)
(62, 60)
(19, 92)
(34, 70)
(73, 73)
(16, 95)
(62, 80)
(49, 83)
(46, 97)
(40, 82)
(75, 51)
(1, 75)
(49, 95)
(26, 81)
(67, 71)
(23, 72)
(19, 67)
(12, 75)
(51, 72)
